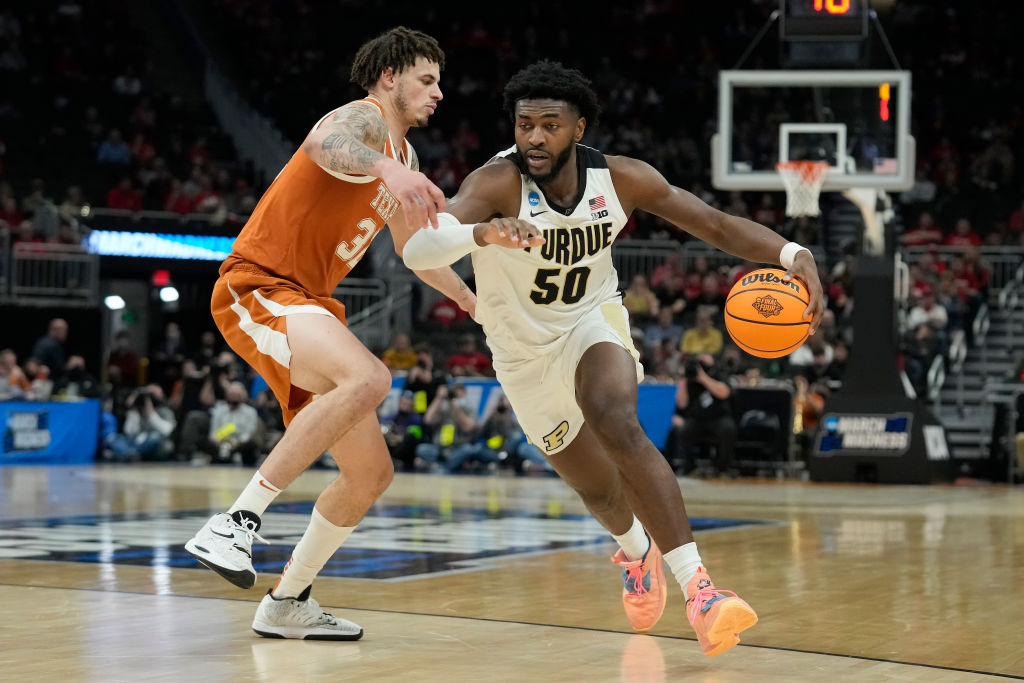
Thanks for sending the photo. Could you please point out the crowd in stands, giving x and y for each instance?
(127, 139)
(86, 122)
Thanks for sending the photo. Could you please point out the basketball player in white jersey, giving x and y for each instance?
(559, 333)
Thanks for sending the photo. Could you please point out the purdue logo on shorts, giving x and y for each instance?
(767, 305)
(556, 437)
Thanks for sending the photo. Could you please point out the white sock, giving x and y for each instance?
(634, 542)
(684, 562)
(257, 495)
(310, 555)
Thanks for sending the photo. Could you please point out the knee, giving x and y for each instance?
(616, 425)
(372, 384)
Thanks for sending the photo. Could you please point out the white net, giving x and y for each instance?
(803, 181)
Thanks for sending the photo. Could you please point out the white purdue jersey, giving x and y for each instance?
(528, 299)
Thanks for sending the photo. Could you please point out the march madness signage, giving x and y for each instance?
(27, 430)
(883, 434)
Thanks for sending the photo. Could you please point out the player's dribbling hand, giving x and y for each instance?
(420, 198)
(512, 233)
(805, 270)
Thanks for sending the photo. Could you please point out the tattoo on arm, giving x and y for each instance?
(358, 132)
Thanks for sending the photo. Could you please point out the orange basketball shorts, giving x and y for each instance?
(251, 309)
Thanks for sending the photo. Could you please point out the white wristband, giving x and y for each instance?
(789, 252)
(428, 248)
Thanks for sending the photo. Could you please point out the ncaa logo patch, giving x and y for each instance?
(533, 198)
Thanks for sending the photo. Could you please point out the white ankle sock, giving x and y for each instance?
(634, 542)
(684, 562)
(310, 555)
(257, 495)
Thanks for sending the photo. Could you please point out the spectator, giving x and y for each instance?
(36, 199)
(73, 205)
(446, 313)
(114, 150)
(122, 361)
(640, 301)
(948, 296)
(125, 197)
(703, 338)
(399, 357)
(168, 355)
(702, 411)
(424, 379)
(925, 232)
(78, 383)
(13, 382)
(670, 269)
(837, 367)
(234, 428)
(711, 296)
(920, 346)
(500, 439)
(37, 375)
(403, 431)
(51, 349)
(671, 294)
(808, 407)
(963, 235)
(664, 329)
(452, 423)
(468, 361)
(208, 351)
(928, 312)
(767, 213)
(148, 423)
(10, 216)
(805, 354)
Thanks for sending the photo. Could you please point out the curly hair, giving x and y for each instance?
(550, 80)
(397, 48)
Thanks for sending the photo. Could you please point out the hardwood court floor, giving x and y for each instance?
(507, 579)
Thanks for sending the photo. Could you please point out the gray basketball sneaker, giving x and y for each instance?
(301, 618)
(224, 544)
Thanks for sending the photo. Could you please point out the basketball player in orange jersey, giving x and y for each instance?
(354, 173)
(559, 333)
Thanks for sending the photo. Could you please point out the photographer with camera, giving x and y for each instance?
(702, 412)
(452, 423)
(148, 423)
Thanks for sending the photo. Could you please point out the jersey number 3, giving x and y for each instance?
(573, 287)
(351, 251)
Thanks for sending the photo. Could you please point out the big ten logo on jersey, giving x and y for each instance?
(568, 246)
(598, 209)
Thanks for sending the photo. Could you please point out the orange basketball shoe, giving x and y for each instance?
(643, 587)
(717, 616)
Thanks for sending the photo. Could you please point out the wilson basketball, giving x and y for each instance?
(764, 313)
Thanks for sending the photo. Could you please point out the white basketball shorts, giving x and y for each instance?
(542, 389)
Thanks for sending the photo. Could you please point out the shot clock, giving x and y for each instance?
(823, 33)
(824, 19)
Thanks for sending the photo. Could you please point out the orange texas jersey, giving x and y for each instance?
(312, 226)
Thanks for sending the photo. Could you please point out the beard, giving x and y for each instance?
(402, 105)
(557, 164)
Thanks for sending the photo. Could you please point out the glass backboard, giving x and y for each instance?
(857, 121)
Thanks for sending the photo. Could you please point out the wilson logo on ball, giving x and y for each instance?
(767, 305)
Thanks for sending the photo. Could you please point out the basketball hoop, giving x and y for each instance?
(803, 181)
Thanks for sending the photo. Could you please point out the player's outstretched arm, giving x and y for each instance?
(351, 141)
(476, 220)
(641, 186)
